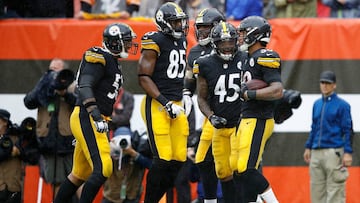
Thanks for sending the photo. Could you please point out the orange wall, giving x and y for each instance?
(68, 38)
(290, 184)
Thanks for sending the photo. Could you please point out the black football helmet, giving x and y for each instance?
(117, 40)
(256, 29)
(224, 39)
(171, 19)
(207, 18)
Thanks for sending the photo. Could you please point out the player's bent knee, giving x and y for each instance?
(223, 172)
(255, 181)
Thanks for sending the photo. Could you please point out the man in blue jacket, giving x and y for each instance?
(328, 149)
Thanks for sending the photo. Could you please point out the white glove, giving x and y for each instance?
(173, 109)
(187, 102)
(101, 126)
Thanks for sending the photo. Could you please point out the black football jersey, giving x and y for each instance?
(170, 65)
(197, 51)
(106, 72)
(263, 64)
(223, 80)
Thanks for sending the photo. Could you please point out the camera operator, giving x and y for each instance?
(27, 142)
(54, 98)
(10, 162)
(131, 155)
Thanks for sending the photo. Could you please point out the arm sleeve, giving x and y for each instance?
(89, 76)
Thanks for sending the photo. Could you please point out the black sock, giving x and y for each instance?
(229, 191)
(66, 191)
(160, 179)
(239, 185)
(208, 179)
(91, 188)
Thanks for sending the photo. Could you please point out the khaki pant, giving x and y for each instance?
(324, 186)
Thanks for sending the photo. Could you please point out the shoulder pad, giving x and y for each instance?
(148, 41)
(268, 58)
(94, 55)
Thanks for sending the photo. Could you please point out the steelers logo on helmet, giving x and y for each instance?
(114, 31)
(159, 16)
(117, 40)
(171, 20)
(225, 40)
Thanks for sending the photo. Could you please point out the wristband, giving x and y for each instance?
(90, 103)
(163, 100)
(251, 94)
(187, 92)
(190, 84)
(90, 106)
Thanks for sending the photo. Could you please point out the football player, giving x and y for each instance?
(161, 73)
(98, 79)
(257, 111)
(204, 22)
(218, 80)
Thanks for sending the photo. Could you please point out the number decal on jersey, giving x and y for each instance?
(246, 76)
(176, 68)
(117, 83)
(222, 91)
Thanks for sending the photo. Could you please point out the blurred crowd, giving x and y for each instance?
(124, 9)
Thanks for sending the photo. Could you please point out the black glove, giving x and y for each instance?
(173, 109)
(293, 98)
(217, 121)
(100, 124)
(282, 112)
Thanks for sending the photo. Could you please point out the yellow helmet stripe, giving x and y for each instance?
(201, 13)
(177, 7)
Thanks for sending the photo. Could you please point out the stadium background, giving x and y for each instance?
(306, 46)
